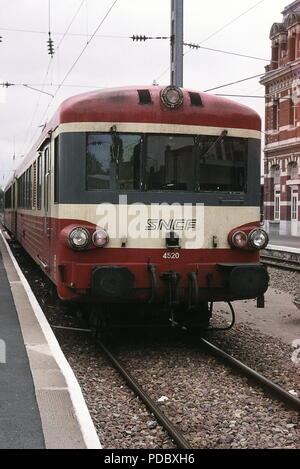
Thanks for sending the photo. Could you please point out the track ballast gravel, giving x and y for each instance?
(211, 404)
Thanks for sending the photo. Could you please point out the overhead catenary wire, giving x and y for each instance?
(28, 85)
(79, 56)
(240, 95)
(197, 46)
(47, 72)
(232, 21)
(97, 86)
(86, 45)
(218, 31)
(31, 31)
(233, 82)
(143, 38)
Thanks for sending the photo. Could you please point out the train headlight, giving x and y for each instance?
(258, 239)
(172, 97)
(100, 238)
(239, 239)
(79, 238)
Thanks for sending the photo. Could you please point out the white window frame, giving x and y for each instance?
(294, 206)
(277, 206)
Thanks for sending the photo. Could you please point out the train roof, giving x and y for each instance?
(143, 104)
(126, 105)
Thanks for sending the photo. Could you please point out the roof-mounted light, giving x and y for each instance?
(172, 97)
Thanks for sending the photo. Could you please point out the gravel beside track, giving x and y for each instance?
(284, 280)
(212, 405)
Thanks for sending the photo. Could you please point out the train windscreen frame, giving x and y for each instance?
(167, 162)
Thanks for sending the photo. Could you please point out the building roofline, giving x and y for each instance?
(290, 7)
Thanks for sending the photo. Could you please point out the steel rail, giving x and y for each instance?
(285, 264)
(173, 431)
(274, 388)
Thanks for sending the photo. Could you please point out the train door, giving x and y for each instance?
(47, 207)
(294, 212)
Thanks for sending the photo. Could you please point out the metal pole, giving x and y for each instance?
(177, 43)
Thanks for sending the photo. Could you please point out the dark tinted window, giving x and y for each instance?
(56, 170)
(113, 161)
(7, 198)
(39, 183)
(170, 163)
(222, 164)
(153, 162)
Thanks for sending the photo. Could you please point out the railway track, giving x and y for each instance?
(281, 259)
(174, 432)
(177, 436)
(280, 264)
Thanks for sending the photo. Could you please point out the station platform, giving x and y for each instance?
(41, 404)
(284, 242)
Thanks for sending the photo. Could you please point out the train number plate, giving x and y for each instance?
(171, 255)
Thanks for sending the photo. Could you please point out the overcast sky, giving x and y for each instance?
(112, 59)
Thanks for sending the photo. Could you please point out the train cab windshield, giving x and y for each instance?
(162, 162)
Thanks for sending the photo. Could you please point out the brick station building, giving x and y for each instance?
(282, 139)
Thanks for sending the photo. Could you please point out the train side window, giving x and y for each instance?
(39, 183)
(23, 190)
(7, 198)
(46, 178)
(20, 193)
(29, 188)
(13, 197)
(26, 189)
(56, 170)
(34, 185)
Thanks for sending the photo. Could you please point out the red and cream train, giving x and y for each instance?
(145, 195)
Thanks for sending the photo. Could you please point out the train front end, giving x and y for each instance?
(158, 200)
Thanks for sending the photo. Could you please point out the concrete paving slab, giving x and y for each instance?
(64, 421)
(280, 317)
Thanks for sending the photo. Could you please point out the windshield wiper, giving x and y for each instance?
(219, 139)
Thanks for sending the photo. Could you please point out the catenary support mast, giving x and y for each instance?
(177, 42)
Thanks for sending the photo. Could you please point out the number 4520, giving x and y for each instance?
(171, 255)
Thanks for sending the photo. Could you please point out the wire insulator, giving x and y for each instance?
(139, 38)
(50, 44)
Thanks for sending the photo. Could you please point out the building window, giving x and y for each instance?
(294, 213)
(275, 173)
(292, 110)
(277, 206)
(292, 48)
(275, 53)
(292, 170)
(275, 110)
